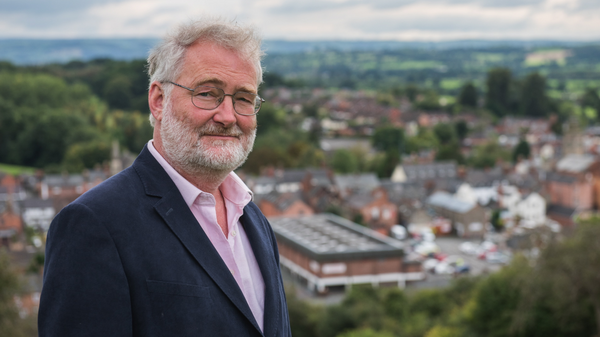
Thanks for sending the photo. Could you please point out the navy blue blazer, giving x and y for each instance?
(128, 258)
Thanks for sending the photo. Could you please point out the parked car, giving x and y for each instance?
(399, 232)
(498, 257)
(427, 248)
(468, 248)
(430, 264)
(484, 248)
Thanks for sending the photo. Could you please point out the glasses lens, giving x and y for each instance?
(207, 97)
(246, 103)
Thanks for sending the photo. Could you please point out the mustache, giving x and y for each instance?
(216, 130)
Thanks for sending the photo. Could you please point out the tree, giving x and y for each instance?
(444, 133)
(388, 138)
(468, 95)
(430, 100)
(10, 322)
(424, 140)
(269, 118)
(411, 92)
(385, 165)
(591, 100)
(344, 162)
(461, 129)
(487, 155)
(521, 151)
(496, 221)
(86, 155)
(450, 151)
(366, 332)
(117, 92)
(496, 299)
(566, 284)
(303, 316)
(533, 100)
(497, 97)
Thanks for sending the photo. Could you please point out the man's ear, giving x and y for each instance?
(156, 100)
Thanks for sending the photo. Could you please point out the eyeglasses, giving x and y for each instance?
(208, 98)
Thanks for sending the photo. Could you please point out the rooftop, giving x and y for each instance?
(575, 163)
(447, 201)
(329, 237)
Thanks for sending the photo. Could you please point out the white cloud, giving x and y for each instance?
(311, 19)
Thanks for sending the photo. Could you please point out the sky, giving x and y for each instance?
(404, 20)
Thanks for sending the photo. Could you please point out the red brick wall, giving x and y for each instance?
(353, 267)
(298, 208)
(571, 195)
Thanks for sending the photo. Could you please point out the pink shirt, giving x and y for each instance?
(235, 250)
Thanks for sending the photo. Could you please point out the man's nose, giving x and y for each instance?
(225, 113)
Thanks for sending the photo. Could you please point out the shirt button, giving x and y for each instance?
(232, 271)
(233, 233)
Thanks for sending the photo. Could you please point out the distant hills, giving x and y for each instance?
(33, 52)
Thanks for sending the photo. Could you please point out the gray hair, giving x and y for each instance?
(166, 59)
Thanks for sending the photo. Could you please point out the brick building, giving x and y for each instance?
(325, 250)
(468, 219)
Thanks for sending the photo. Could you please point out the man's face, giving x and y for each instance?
(215, 140)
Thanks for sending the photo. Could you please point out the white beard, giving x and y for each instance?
(186, 148)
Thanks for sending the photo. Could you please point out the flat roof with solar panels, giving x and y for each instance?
(328, 250)
(327, 236)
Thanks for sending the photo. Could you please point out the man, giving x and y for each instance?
(173, 246)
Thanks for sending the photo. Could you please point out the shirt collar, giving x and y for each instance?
(232, 188)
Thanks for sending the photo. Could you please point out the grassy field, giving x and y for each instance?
(16, 170)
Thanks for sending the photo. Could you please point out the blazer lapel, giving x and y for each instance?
(177, 215)
(263, 251)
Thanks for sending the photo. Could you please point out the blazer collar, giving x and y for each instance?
(177, 215)
(261, 241)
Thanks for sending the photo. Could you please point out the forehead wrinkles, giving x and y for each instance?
(218, 65)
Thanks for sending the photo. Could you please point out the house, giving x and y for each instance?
(373, 209)
(575, 183)
(10, 224)
(532, 210)
(565, 216)
(281, 181)
(330, 145)
(65, 188)
(480, 195)
(468, 219)
(424, 172)
(283, 204)
(38, 213)
(408, 198)
(353, 183)
(484, 178)
(318, 190)
(325, 250)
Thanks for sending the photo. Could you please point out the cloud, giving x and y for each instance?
(311, 6)
(310, 19)
(34, 7)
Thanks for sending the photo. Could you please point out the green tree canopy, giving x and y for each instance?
(534, 101)
(444, 132)
(497, 97)
(468, 95)
(388, 138)
(344, 161)
(461, 129)
(521, 151)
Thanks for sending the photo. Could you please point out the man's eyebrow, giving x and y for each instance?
(215, 81)
(220, 83)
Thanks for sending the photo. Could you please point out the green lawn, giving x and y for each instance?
(389, 63)
(451, 83)
(15, 170)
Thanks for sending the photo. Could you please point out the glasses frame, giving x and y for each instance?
(260, 99)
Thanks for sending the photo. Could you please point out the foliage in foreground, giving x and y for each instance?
(558, 295)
